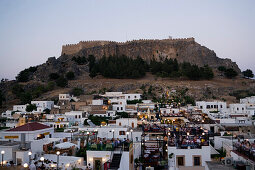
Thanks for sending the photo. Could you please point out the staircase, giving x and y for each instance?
(115, 164)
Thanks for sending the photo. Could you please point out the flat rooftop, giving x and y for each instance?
(218, 166)
(8, 143)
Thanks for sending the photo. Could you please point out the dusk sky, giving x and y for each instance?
(31, 31)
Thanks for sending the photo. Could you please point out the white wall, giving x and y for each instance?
(30, 135)
(237, 108)
(205, 154)
(127, 122)
(211, 106)
(124, 162)
(135, 96)
(42, 105)
(21, 108)
(97, 102)
(64, 97)
(105, 155)
(9, 152)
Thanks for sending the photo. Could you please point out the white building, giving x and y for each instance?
(7, 114)
(32, 131)
(135, 96)
(248, 100)
(130, 122)
(42, 105)
(211, 106)
(189, 158)
(103, 113)
(98, 102)
(75, 117)
(237, 108)
(64, 97)
(20, 108)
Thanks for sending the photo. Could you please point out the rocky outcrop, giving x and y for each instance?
(184, 50)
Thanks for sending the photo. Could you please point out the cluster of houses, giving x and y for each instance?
(132, 134)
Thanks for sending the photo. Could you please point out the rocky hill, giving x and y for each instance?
(184, 50)
(39, 86)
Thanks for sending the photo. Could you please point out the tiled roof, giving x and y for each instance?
(29, 127)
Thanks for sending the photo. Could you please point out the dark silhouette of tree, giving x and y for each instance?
(31, 107)
(61, 81)
(70, 75)
(248, 73)
(24, 75)
(230, 73)
(54, 76)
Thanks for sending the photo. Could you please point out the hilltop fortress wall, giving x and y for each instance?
(183, 49)
(70, 49)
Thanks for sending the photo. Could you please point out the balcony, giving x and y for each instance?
(109, 145)
(245, 149)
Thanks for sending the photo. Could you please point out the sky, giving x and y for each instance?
(33, 30)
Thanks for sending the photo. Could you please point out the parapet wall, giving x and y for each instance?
(75, 48)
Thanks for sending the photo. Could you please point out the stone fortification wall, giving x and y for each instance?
(70, 49)
(184, 50)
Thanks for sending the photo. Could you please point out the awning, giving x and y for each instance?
(65, 145)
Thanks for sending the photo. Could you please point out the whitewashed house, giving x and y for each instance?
(20, 108)
(32, 131)
(75, 117)
(212, 106)
(42, 105)
(134, 96)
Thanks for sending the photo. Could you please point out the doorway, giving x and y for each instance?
(97, 164)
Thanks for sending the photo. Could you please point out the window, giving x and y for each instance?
(135, 97)
(121, 108)
(180, 160)
(208, 106)
(201, 107)
(119, 123)
(79, 116)
(196, 160)
(220, 106)
(129, 97)
(122, 133)
(75, 116)
(237, 108)
(117, 108)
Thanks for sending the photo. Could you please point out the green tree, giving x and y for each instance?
(1, 98)
(54, 76)
(17, 89)
(222, 68)
(31, 107)
(46, 111)
(61, 82)
(77, 91)
(50, 85)
(70, 75)
(24, 75)
(230, 73)
(248, 73)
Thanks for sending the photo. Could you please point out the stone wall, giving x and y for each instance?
(70, 49)
(184, 50)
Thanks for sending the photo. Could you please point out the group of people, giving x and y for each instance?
(246, 147)
(195, 137)
(153, 128)
(102, 143)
